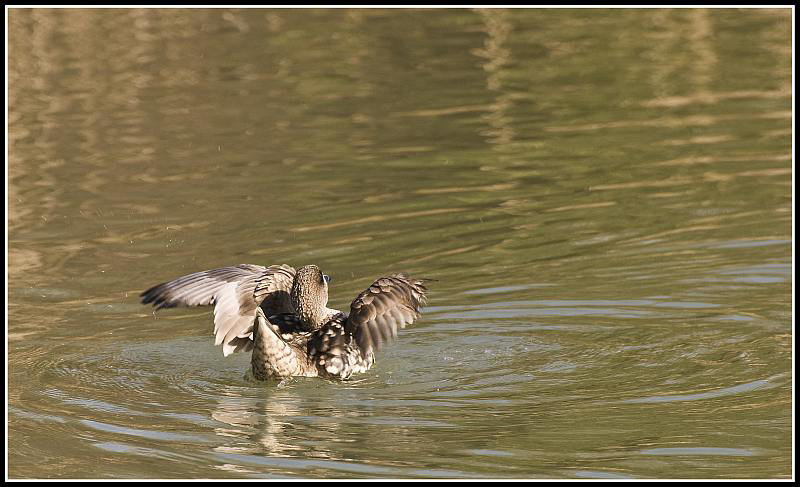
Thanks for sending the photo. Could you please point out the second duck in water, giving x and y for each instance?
(281, 314)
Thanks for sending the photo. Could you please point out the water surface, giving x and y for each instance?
(603, 197)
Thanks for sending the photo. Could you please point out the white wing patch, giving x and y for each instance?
(229, 323)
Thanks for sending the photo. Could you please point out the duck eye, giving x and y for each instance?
(326, 278)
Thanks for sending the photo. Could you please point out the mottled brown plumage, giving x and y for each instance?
(282, 315)
(388, 304)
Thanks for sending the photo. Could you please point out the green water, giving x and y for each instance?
(604, 198)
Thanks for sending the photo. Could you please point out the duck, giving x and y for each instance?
(281, 314)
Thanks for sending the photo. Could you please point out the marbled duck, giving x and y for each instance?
(282, 315)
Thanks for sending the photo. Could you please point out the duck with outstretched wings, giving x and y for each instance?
(281, 314)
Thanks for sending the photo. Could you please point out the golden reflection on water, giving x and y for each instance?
(670, 122)
(496, 56)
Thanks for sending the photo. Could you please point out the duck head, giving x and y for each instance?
(309, 295)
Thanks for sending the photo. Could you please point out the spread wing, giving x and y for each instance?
(388, 304)
(235, 292)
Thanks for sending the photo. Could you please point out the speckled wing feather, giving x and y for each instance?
(334, 351)
(235, 292)
(388, 304)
